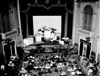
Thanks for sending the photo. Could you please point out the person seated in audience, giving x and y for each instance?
(63, 73)
(90, 65)
(12, 67)
(74, 50)
(90, 71)
(70, 68)
(14, 58)
(91, 60)
(23, 72)
(47, 66)
(30, 57)
(79, 72)
(29, 67)
(54, 66)
(2, 70)
(96, 64)
(11, 64)
(95, 71)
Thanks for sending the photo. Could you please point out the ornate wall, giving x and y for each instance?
(86, 24)
(9, 21)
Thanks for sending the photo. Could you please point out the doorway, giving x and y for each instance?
(9, 50)
(85, 48)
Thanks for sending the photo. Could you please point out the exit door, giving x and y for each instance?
(85, 48)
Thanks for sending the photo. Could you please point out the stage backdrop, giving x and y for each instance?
(48, 21)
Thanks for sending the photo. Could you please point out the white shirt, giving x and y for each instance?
(90, 71)
(63, 73)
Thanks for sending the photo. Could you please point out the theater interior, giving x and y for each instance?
(50, 38)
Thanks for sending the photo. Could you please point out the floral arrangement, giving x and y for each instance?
(44, 28)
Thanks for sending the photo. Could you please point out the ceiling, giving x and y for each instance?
(68, 3)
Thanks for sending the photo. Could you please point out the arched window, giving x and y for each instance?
(87, 18)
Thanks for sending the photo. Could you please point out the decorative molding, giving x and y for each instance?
(47, 5)
(93, 5)
(9, 34)
(27, 8)
(84, 32)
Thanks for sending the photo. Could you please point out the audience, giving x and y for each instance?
(39, 64)
(49, 63)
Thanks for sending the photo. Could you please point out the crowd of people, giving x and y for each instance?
(9, 68)
(91, 64)
(50, 65)
(60, 61)
(12, 66)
